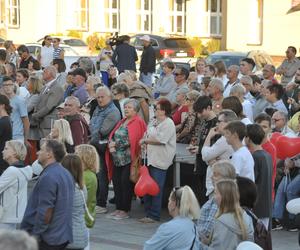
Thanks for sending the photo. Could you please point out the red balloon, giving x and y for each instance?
(287, 147)
(275, 137)
(145, 184)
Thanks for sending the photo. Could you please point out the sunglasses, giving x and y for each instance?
(276, 120)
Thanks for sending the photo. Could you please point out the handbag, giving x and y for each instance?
(194, 238)
(91, 218)
(135, 168)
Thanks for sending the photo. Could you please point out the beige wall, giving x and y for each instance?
(279, 30)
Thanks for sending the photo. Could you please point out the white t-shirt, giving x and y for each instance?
(243, 163)
(46, 55)
(247, 109)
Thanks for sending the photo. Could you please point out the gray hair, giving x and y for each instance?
(135, 103)
(229, 115)
(235, 68)
(217, 83)
(282, 114)
(225, 169)
(266, 83)
(19, 148)
(247, 80)
(17, 240)
(105, 90)
(52, 70)
(238, 89)
(73, 99)
(193, 95)
(86, 64)
(121, 88)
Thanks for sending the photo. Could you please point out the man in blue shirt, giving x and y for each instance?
(48, 214)
(79, 91)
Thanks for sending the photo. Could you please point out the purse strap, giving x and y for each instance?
(86, 208)
(194, 237)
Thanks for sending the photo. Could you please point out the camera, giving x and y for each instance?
(115, 39)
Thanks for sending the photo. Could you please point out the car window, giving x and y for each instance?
(154, 43)
(33, 50)
(74, 42)
(138, 42)
(177, 43)
(227, 59)
(132, 41)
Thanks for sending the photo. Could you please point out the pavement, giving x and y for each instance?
(109, 234)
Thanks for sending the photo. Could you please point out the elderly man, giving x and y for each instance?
(232, 75)
(269, 73)
(279, 121)
(289, 66)
(181, 75)
(79, 80)
(247, 82)
(78, 125)
(12, 56)
(215, 90)
(48, 214)
(148, 60)
(50, 96)
(104, 119)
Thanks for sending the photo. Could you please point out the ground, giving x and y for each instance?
(109, 234)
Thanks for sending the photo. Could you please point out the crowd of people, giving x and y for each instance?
(76, 130)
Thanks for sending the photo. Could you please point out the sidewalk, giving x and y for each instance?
(109, 234)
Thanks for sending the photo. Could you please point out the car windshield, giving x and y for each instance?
(227, 59)
(74, 42)
(177, 43)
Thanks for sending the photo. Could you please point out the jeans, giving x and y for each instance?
(102, 176)
(153, 203)
(146, 79)
(123, 187)
(285, 194)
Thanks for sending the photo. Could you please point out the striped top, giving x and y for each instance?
(56, 52)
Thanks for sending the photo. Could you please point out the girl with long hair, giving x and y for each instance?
(232, 224)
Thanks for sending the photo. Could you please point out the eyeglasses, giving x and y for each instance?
(7, 84)
(276, 120)
(49, 39)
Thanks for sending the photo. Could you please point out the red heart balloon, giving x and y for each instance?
(145, 184)
(287, 147)
(275, 137)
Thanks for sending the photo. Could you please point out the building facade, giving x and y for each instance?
(240, 25)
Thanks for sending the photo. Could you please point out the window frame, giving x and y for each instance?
(218, 15)
(144, 13)
(260, 15)
(9, 7)
(111, 11)
(174, 13)
(78, 16)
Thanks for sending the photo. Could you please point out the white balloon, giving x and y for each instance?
(293, 206)
(248, 245)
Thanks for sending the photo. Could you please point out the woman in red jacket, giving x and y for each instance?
(123, 150)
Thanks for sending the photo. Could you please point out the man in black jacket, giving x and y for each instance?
(147, 67)
(125, 56)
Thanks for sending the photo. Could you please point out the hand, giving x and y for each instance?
(291, 100)
(193, 149)
(213, 132)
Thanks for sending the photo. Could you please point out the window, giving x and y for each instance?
(81, 17)
(111, 15)
(143, 18)
(177, 16)
(214, 10)
(13, 13)
(255, 29)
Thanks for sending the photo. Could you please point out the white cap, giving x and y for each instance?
(145, 38)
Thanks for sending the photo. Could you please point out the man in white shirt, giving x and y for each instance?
(232, 75)
(241, 159)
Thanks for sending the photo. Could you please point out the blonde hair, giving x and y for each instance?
(36, 84)
(64, 131)
(19, 148)
(193, 95)
(186, 202)
(225, 169)
(89, 157)
(230, 203)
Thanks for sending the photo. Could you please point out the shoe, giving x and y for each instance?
(113, 214)
(121, 216)
(293, 229)
(146, 220)
(276, 225)
(112, 200)
(101, 210)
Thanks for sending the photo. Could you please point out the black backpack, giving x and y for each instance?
(262, 236)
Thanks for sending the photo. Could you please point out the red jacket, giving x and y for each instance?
(136, 129)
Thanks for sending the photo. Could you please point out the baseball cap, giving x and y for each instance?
(145, 38)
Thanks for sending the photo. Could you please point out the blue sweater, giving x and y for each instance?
(52, 194)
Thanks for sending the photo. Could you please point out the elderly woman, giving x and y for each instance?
(178, 115)
(160, 141)
(13, 185)
(166, 82)
(184, 130)
(104, 119)
(124, 149)
(120, 93)
(138, 91)
(180, 232)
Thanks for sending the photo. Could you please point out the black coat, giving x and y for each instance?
(148, 60)
(124, 57)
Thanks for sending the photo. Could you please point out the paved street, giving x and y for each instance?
(127, 234)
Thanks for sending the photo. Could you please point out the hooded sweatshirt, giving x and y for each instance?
(227, 233)
(13, 192)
